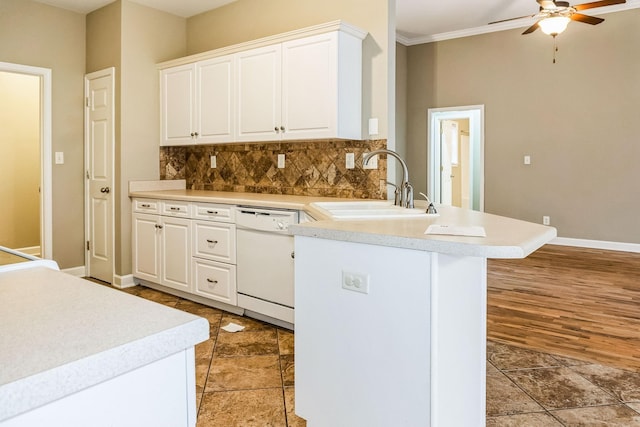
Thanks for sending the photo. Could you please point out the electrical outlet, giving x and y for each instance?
(527, 160)
(213, 162)
(356, 282)
(59, 158)
(373, 162)
(280, 161)
(351, 161)
(546, 220)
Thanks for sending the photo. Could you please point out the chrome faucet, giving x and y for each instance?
(406, 189)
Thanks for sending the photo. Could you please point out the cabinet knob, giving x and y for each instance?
(105, 190)
(192, 134)
(158, 226)
(277, 129)
(282, 129)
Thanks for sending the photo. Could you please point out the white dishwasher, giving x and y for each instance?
(264, 257)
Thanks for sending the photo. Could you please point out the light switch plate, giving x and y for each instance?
(527, 160)
(59, 158)
(214, 163)
(280, 161)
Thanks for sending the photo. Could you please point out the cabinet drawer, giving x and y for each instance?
(213, 212)
(174, 208)
(146, 206)
(214, 241)
(214, 280)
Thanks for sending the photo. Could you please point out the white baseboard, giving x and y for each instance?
(76, 271)
(597, 244)
(122, 282)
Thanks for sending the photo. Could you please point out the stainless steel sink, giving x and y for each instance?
(367, 209)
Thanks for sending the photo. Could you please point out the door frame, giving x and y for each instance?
(111, 71)
(46, 181)
(475, 114)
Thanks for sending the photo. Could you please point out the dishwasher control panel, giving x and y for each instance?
(273, 220)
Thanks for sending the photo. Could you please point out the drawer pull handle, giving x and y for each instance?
(145, 206)
(173, 208)
(211, 281)
(213, 212)
(213, 242)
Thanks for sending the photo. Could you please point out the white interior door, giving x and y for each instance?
(99, 144)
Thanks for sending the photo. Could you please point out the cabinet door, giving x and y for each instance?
(310, 87)
(177, 104)
(215, 280)
(259, 94)
(146, 244)
(176, 253)
(215, 99)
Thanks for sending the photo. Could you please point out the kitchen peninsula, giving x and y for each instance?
(390, 322)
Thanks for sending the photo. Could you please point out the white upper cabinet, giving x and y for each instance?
(215, 100)
(322, 87)
(259, 94)
(177, 103)
(197, 102)
(306, 84)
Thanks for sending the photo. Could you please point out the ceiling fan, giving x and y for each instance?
(554, 15)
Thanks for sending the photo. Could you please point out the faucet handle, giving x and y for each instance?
(431, 210)
(396, 193)
(408, 188)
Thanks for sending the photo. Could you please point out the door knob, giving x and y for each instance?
(105, 190)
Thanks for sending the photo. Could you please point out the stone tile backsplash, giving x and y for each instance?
(312, 168)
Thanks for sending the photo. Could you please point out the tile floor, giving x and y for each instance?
(247, 379)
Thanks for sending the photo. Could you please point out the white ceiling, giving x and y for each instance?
(417, 21)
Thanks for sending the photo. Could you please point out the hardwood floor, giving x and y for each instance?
(576, 302)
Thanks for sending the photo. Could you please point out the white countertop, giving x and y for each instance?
(60, 334)
(505, 237)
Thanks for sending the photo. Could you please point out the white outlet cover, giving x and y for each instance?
(214, 163)
(280, 161)
(59, 157)
(373, 162)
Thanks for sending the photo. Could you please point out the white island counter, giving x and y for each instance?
(75, 353)
(391, 323)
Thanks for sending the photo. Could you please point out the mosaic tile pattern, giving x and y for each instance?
(312, 168)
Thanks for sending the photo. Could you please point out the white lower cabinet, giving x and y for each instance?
(190, 247)
(162, 250)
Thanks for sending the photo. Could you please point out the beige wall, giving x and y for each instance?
(133, 39)
(19, 160)
(577, 119)
(148, 37)
(246, 20)
(43, 36)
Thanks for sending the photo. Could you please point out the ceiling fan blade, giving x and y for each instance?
(595, 4)
(531, 29)
(586, 19)
(511, 19)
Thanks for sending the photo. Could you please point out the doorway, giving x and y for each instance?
(25, 168)
(455, 156)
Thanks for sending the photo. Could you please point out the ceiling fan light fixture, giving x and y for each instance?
(554, 25)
